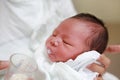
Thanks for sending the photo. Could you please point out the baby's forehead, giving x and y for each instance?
(78, 25)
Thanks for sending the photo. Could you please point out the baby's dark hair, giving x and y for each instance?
(98, 40)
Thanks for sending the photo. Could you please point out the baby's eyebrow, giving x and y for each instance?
(67, 37)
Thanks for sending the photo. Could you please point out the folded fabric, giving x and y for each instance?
(71, 70)
(82, 61)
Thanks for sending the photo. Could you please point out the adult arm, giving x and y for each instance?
(4, 64)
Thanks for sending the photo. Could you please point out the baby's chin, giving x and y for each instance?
(52, 59)
(51, 56)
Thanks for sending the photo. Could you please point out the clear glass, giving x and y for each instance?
(22, 67)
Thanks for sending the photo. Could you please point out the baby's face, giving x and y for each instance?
(68, 40)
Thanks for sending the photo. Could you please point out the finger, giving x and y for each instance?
(105, 61)
(4, 64)
(97, 68)
(112, 49)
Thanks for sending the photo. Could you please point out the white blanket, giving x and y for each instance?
(65, 71)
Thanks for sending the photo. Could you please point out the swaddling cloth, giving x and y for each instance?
(82, 61)
(71, 70)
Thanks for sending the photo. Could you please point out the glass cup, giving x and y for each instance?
(22, 67)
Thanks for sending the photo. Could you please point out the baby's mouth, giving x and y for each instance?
(49, 51)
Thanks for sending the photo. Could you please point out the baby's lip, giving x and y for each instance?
(49, 51)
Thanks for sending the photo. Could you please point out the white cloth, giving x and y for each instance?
(65, 71)
(21, 19)
(82, 61)
(70, 70)
(25, 23)
(109, 76)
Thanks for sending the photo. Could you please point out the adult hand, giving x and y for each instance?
(100, 68)
(4, 64)
(104, 60)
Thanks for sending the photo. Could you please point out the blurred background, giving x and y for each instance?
(109, 12)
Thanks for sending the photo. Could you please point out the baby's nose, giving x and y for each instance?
(56, 41)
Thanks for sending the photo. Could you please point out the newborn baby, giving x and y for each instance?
(69, 41)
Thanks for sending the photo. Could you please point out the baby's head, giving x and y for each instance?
(75, 35)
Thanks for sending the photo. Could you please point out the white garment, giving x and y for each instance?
(21, 19)
(53, 71)
(109, 76)
(82, 61)
(70, 70)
